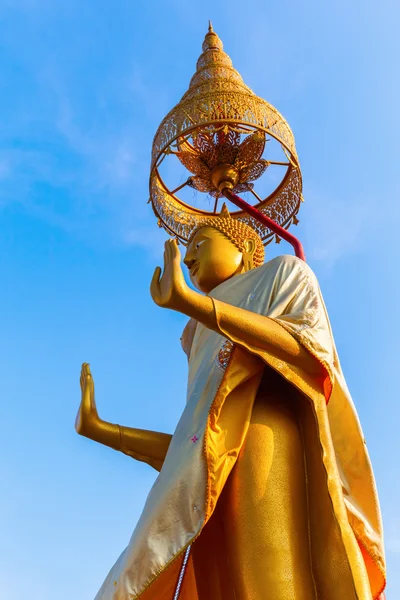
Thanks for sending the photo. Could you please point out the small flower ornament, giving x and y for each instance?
(220, 156)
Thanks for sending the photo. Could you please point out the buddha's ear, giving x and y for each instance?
(250, 246)
(248, 254)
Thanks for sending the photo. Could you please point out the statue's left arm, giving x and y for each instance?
(141, 444)
(171, 291)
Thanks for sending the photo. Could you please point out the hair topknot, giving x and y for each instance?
(236, 231)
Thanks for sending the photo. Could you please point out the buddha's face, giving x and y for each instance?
(211, 259)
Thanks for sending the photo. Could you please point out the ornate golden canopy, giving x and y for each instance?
(218, 131)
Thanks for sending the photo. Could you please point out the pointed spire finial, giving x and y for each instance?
(211, 41)
(219, 104)
(224, 214)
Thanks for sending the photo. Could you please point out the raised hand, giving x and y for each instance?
(170, 290)
(87, 414)
(148, 446)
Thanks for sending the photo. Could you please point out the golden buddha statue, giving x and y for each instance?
(265, 489)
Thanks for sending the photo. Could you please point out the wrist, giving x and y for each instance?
(198, 307)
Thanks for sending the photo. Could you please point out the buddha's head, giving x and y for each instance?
(221, 248)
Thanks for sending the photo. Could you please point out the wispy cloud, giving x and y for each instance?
(108, 158)
(97, 160)
(149, 238)
(333, 228)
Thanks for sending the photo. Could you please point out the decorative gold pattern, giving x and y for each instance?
(181, 220)
(219, 120)
(223, 356)
(237, 232)
(222, 147)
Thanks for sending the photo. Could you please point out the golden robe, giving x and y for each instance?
(224, 378)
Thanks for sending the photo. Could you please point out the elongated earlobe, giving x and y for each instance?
(248, 254)
(248, 263)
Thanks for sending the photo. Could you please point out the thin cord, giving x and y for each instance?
(182, 574)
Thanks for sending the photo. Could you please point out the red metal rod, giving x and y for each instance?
(253, 212)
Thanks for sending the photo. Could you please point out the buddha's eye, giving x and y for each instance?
(199, 244)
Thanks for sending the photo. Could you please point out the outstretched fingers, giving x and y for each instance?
(82, 378)
(169, 251)
(87, 369)
(86, 376)
(155, 284)
(175, 252)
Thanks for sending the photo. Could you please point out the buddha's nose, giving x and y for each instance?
(189, 262)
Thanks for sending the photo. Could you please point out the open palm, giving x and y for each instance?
(169, 288)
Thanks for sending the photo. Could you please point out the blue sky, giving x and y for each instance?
(83, 89)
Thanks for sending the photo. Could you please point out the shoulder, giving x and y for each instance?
(287, 263)
(288, 268)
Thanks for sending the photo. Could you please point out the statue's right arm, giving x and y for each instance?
(147, 446)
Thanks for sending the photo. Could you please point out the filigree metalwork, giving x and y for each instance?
(180, 219)
(213, 148)
(219, 120)
(224, 355)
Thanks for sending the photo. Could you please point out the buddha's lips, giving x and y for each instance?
(194, 268)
